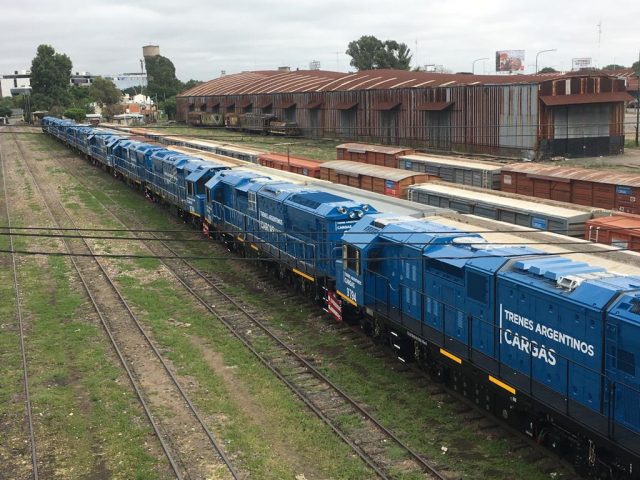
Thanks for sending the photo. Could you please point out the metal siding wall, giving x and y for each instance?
(519, 117)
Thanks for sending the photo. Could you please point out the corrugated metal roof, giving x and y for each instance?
(358, 168)
(363, 147)
(570, 173)
(453, 162)
(579, 99)
(628, 223)
(273, 81)
(295, 161)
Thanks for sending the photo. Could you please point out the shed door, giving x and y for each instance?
(348, 122)
(438, 129)
(389, 127)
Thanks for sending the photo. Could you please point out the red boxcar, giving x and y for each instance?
(596, 188)
(372, 154)
(388, 181)
(620, 230)
(302, 166)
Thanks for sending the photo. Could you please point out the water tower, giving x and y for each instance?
(150, 50)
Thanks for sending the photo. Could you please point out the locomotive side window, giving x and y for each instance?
(189, 188)
(351, 258)
(252, 201)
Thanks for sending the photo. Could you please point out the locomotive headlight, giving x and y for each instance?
(365, 208)
(342, 210)
(359, 213)
(352, 214)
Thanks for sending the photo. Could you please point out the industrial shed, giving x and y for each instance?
(522, 116)
(557, 217)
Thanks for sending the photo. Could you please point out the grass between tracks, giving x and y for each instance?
(87, 422)
(425, 423)
(314, 148)
(269, 431)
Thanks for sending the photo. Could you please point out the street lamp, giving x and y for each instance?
(473, 64)
(543, 51)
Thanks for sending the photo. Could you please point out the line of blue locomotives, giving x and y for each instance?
(549, 343)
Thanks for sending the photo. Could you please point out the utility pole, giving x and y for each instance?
(638, 101)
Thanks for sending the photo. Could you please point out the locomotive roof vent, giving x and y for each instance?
(475, 243)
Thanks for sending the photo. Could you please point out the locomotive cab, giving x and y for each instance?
(196, 193)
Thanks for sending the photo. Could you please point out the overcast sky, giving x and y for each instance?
(204, 37)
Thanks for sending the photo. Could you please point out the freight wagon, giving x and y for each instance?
(385, 180)
(302, 166)
(557, 217)
(455, 170)
(205, 119)
(597, 188)
(621, 230)
(372, 154)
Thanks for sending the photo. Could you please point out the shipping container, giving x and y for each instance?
(299, 165)
(470, 172)
(387, 181)
(372, 154)
(619, 230)
(557, 217)
(597, 188)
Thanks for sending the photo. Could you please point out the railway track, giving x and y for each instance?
(21, 329)
(182, 435)
(371, 440)
(229, 308)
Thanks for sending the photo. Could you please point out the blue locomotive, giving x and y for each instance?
(548, 343)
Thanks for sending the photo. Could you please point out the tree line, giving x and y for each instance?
(51, 88)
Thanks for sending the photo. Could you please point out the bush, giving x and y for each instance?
(77, 114)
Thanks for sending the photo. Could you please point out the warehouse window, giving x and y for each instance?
(290, 114)
(351, 258)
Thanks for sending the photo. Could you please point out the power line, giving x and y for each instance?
(300, 260)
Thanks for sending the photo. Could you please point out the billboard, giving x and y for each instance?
(510, 61)
(578, 63)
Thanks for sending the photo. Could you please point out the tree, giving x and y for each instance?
(131, 91)
(77, 114)
(5, 107)
(161, 75)
(50, 77)
(104, 92)
(79, 97)
(370, 53)
(109, 111)
(614, 66)
(191, 83)
(169, 107)
(548, 70)
(636, 67)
